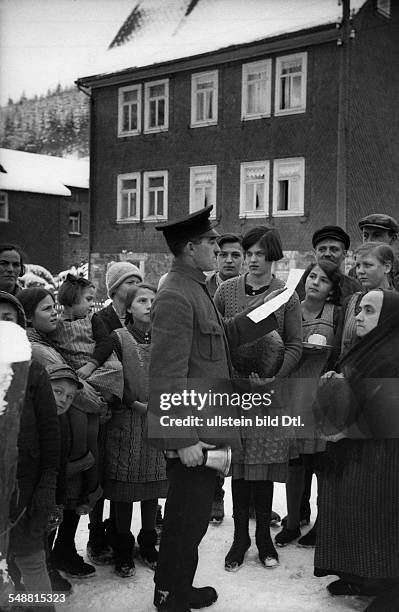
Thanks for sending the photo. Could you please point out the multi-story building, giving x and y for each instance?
(276, 112)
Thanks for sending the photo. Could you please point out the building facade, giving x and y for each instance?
(44, 208)
(294, 131)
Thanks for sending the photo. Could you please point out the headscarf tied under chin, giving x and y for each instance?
(366, 401)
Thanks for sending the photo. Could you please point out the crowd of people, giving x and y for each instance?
(87, 429)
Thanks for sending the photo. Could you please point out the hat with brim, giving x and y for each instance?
(381, 221)
(331, 232)
(58, 371)
(196, 225)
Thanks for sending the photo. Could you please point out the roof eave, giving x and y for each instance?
(286, 42)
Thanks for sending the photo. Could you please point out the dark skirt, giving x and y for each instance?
(358, 528)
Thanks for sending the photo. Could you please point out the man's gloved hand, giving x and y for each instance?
(43, 502)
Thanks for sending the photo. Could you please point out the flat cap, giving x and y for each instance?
(384, 222)
(58, 371)
(334, 232)
(194, 225)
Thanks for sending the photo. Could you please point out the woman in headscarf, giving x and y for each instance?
(358, 538)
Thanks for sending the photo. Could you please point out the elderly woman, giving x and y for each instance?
(41, 316)
(358, 526)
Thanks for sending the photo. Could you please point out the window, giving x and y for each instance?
(384, 7)
(291, 84)
(203, 188)
(128, 205)
(3, 206)
(256, 79)
(155, 205)
(75, 223)
(156, 106)
(204, 99)
(129, 116)
(288, 186)
(254, 189)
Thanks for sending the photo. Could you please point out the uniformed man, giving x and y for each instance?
(189, 341)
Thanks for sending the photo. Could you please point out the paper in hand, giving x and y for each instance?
(260, 313)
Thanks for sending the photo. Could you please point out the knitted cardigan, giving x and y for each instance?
(230, 298)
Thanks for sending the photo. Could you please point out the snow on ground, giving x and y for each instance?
(291, 587)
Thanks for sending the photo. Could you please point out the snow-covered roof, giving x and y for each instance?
(41, 173)
(157, 31)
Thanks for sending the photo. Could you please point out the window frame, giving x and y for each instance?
(195, 78)
(266, 186)
(246, 70)
(120, 178)
(78, 214)
(146, 176)
(122, 133)
(212, 168)
(6, 217)
(147, 99)
(384, 8)
(277, 163)
(279, 61)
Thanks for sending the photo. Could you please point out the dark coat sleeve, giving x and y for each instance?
(47, 422)
(104, 344)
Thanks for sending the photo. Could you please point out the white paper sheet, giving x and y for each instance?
(260, 313)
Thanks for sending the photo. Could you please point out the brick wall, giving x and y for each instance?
(373, 184)
(311, 135)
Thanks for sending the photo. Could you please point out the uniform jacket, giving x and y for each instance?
(190, 347)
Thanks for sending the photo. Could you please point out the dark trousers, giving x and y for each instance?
(186, 520)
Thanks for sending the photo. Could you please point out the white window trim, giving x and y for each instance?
(247, 69)
(121, 91)
(288, 213)
(384, 8)
(79, 213)
(254, 214)
(6, 217)
(121, 177)
(146, 177)
(193, 171)
(302, 108)
(158, 128)
(194, 79)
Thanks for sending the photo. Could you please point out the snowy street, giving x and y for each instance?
(291, 587)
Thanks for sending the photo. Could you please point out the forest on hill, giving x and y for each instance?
(56, 123)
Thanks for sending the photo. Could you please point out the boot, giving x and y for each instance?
(124, 564)
(286, 536)
(58, 583)
(98, 550)
(235, 557)
(147, 540)
(309, 539)
(70, 562)
(267, 553)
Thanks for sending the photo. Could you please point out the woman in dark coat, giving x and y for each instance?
(358, 537)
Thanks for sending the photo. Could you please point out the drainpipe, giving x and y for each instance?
(87, 92)
(343, 42)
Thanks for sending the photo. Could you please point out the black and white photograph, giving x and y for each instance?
(199, 305)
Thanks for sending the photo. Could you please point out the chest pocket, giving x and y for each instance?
(210, 341)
